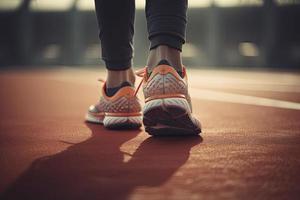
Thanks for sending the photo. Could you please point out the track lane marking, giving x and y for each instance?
(242, 99)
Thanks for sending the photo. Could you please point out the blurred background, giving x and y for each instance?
(245, 88)
(221, 33)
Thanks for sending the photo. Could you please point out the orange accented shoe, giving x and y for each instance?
(168, 109)
(122, 110)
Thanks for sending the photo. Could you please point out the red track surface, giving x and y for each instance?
(246, 151)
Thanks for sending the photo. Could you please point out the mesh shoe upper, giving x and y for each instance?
(164, 82)
(124, 101)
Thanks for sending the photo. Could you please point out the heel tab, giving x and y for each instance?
(127, 91)
(166, 69)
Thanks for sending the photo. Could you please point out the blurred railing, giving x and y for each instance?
(248, 36)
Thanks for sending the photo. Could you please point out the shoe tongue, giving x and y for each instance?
(165, 62)
(112, 91)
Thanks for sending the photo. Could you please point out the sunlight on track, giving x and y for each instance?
(129, 147)
(206, 84)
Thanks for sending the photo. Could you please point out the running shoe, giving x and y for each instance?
(168, 108)
(122, 110)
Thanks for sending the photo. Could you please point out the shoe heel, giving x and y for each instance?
(169, 116)
(167, 103)
(119, 122)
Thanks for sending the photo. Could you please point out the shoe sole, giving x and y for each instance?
(119, 122)
(169, 116)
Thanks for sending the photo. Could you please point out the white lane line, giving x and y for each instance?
(261, 88)
(242, 99)
(252, 85)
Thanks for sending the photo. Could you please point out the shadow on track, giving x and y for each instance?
(94, 169)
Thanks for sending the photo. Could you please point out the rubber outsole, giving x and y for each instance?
(170, 117)
(109, 122)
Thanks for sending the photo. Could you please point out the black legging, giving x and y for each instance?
(166, 22)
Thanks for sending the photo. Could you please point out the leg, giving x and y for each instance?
(168, 108)
(166, 20)
(118, 106)
(116, 24)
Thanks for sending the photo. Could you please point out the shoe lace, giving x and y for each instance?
(140, 73)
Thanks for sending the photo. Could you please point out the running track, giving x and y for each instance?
(249, 149)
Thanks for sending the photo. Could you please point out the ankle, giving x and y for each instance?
(164, 52)
(116, 78)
